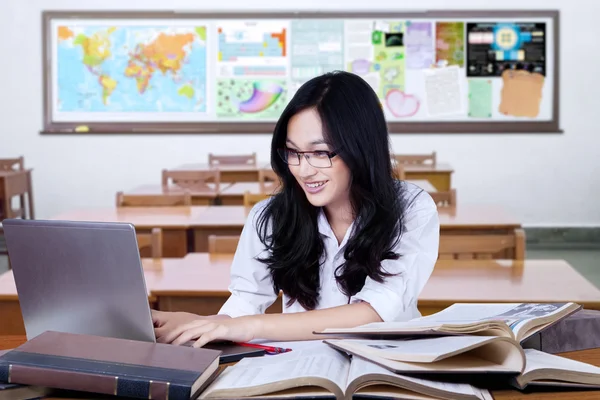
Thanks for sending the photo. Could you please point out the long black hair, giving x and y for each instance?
(354, 122)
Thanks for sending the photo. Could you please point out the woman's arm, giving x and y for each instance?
(280, 327)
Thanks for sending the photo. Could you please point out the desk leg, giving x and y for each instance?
(201, 235)
(30, 195)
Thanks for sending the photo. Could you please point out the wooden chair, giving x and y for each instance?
(416, 158)
(6, 209)
(151, 241)
(250, 199)
(241, 159)
(497, 246)
(268, 181)
(12, 164)
(445, 199)
(192, 180)
(154, 200)
(222, 244)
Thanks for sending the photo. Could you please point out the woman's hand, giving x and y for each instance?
(165, 323)
(189, 327)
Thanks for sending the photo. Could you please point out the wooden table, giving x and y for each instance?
(463, 221)
(174, 222)
(591, 356)
(439, 175)
(506, 281)
(16, 183)
(199, 197)
(230, 173)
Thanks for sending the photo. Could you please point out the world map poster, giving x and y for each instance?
(130, 69)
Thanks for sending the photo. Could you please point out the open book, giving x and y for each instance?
(439, 355)
(543, 369)
(320, 371)
(517, 321)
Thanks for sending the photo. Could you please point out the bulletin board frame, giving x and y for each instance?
(51, 126)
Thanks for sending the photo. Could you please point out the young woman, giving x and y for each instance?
(345, 242)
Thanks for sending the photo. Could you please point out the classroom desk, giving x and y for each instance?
(591, 356)
(234, 194)
(506, 281)
(199, 197)
(464, 220)
(205, 278)
(16, 183)
(439, 175)
(174, 222)
(229, 173)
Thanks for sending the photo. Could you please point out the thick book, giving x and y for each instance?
(10, 391)
(110, 366)
(579, 331)
(517, 321)
(320, 371)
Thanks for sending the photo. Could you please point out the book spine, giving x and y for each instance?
(93, 383)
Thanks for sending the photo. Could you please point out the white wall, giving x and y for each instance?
(542, 179)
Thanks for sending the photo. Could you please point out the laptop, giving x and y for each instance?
(87, 278)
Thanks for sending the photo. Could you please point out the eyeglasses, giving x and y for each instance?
(318, 159)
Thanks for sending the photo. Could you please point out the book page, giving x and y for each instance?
(538, 360)
(319, 360)
(360, 367)
(418, 350)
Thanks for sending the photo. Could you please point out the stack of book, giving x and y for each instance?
(459, 353)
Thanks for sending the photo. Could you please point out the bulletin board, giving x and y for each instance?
(188, 72)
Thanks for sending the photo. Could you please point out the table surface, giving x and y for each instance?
(588, 356)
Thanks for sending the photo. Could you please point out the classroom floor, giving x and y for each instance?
(587, 262)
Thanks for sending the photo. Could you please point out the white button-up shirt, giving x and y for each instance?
(394, 300)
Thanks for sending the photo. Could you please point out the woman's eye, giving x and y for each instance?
(321, 154)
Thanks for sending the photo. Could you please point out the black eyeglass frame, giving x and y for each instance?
(284, 150)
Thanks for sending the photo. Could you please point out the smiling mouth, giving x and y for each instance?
(314, 185)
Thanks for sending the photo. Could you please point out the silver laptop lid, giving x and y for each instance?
(79, 277)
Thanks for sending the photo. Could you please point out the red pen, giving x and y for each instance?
(268, 349)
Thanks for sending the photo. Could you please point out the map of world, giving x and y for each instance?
(131, 69)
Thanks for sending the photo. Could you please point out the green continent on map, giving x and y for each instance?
(187, 91)
(96, 48)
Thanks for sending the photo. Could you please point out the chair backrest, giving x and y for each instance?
(222, 244)
(268, 181)
(416, 158)
(192, 180)
(497, 246)
(445, 199)
(154, 200)
(12, 164)
(250, 199)
(152, 241)
(237, 159)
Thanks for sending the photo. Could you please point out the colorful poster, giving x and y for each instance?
(521, 93)
(252, 69)
(389, 57)
(129, 72)
(495, 47)
(450, 43)
(418, 41)
(251, 98)
(317, 46)
(442, 91)
(480, 98)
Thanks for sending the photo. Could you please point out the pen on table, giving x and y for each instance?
(270, 349)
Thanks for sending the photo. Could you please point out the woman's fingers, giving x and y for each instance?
(219, 332)
(193, 332)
